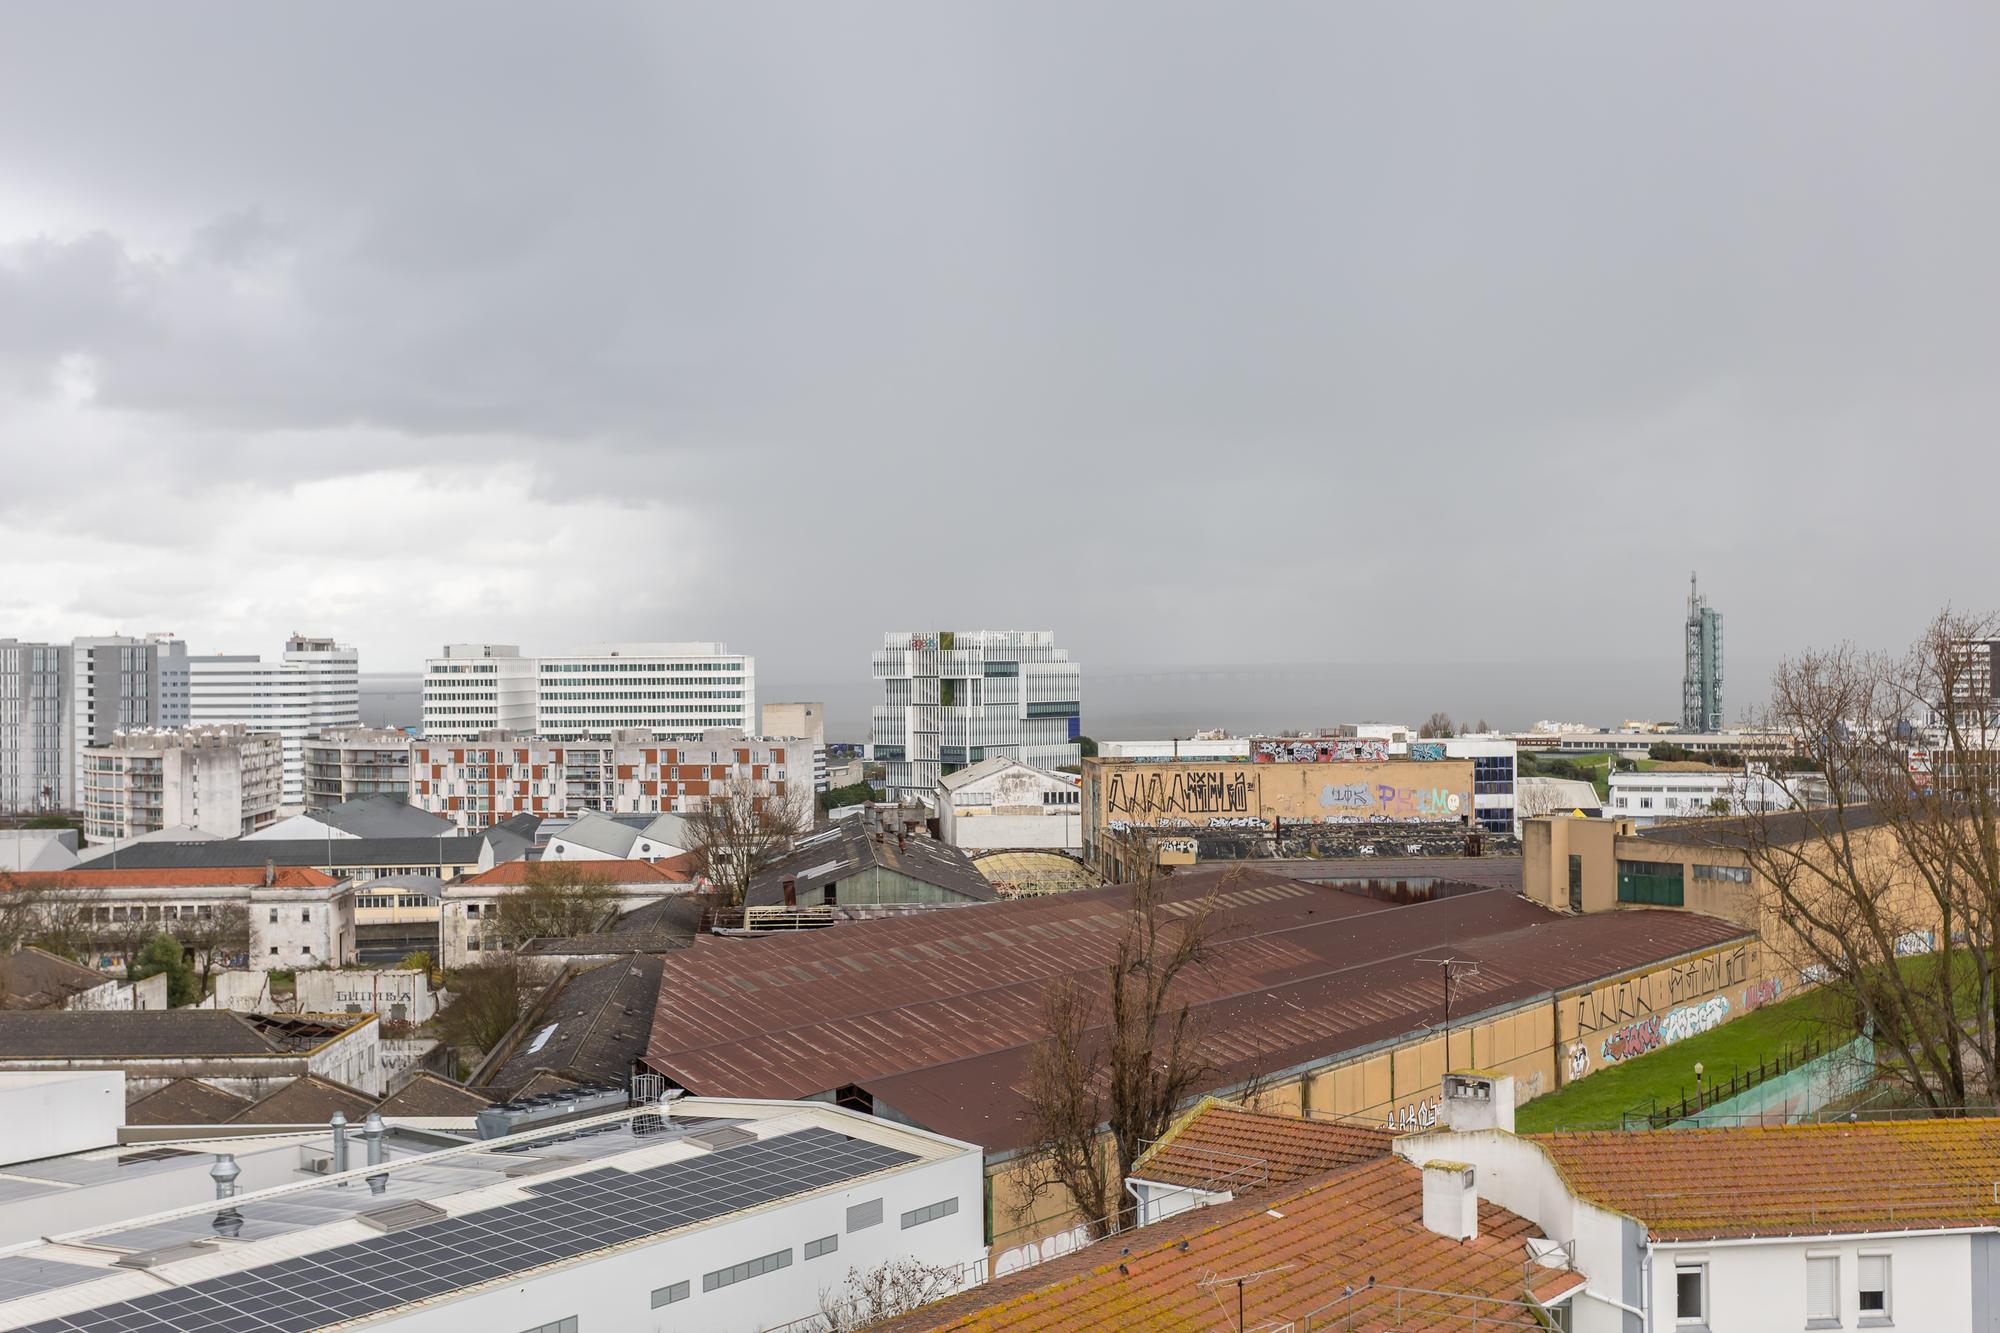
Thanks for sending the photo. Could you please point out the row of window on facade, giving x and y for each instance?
(1824, 1298)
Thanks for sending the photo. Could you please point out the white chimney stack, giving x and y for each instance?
(1475, 1101)
(1451, 1205)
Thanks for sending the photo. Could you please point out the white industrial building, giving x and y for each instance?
(222, 779)
(571, 1217)
(315, 685)
(676, 690)
(951, 698)
(1657, 795)
(1003, 804)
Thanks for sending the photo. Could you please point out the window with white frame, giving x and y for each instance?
(1874, 1285)
(1691, 1293)
(1822, 1289)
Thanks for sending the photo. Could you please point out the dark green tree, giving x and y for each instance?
(164, 953)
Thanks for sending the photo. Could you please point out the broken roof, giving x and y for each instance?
(591, 1028)
(1219, 1147)
(848, 847)
(933, 1013)
(1350, 1247)
(119, 1033)
(1790, 1180)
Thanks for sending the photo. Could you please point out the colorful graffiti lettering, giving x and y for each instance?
(1915, 942)
(1320, 751)
(1652, 1033)
(1417, 802)
(1427, 750)
(1352, 793)
(1760, 993)
(1417, 1115)
(1579, 1060)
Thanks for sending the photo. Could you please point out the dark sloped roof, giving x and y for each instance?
(670, 923)
(1781, 829)
(1352, 1243)
(848, 847)
(462, 850)
(118, 1033)
(1218, 1147)
(382, 817)
(306, 1100)
(430, 1094)
(185, 1101)
(32, 978)
(933, 1013)
(591, 1029)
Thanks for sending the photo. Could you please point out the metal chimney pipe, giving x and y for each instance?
(224, 1174)
(339, 1126)
(372, 1129)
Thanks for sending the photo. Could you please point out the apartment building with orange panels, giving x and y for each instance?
(479, 782)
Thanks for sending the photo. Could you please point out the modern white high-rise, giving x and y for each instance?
(34, 726)
(952, 698)
(677, 691)
(316, 684)
(476, 688)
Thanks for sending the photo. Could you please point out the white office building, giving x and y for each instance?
(675, 690)
(476, 688)
(953, 698)
(315, 685)
(1658, 795)
(34, 726)
(114, 686)
(580, 1216)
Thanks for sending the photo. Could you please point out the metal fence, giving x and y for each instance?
(1655, 1114)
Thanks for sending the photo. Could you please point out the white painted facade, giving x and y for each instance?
(1655, 796)
(676, 690)
(315, 685)
(301, 928)
(951, 698)
(475, 688)
(1229, 747)
(1002, 804)
(52, 1112)
(396, 994)
(34, 726)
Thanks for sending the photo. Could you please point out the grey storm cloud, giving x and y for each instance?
(1299, 333)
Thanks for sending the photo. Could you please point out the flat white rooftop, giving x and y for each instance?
(432, 1226)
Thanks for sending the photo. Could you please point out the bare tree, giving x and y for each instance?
(1438, 724)
(738, 833)
(1888, 892)
(560, 898)
(868, 1296)
(1122, 1052)
(485, 1005)
(1535, 797)
(216, 933)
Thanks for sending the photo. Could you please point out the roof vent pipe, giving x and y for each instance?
(372, 1129)
(270, 873)
(224, 1174)
(339, 1126)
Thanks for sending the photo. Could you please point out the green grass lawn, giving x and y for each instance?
(1602, 1098)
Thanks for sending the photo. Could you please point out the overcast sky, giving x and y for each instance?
(1200, 333)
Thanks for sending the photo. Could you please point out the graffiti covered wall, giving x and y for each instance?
(1255, 794)
(1629, 1017)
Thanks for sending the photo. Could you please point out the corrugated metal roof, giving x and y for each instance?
(934, 1013)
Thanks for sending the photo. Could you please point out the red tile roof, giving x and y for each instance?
(1318, 1248)
(1218, 1147)
(197, 877)
(933, 1013)
(1791, 1180)
(666, 870)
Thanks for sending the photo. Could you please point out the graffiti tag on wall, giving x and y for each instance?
(1629, 1001)
(1579, 1060)
(1320, 750)
(1674, 1025)
(1427, 750)
(1760, 993)
(1211, 792)
(1415, 1116)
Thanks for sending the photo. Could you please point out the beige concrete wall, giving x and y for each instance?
(1193, 794)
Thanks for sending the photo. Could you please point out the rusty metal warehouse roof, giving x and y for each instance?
(933, 1014)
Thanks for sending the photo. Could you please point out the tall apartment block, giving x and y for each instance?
(353, 763)
(34, 726)
(952, 698)
(315, 685)
(223, 780)
(1701, 684)
(115, 684)
(484, 781)
(478, 687)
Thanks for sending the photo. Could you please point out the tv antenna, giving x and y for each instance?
(1241, 1280)
(1453, 967)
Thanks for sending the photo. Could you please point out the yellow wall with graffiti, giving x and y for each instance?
(1168, 795)
(1621, 1019)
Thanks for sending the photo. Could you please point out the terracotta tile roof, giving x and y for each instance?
(196, 877)
(429, 1094)
(185, 1101)
(1884, 1175)
(666, 870)
(933, 1013)
(1338, 1231)
(307, 1100)
(1219, 1147)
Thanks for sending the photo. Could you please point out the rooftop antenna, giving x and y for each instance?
(1213, 1280)
(1454, 967)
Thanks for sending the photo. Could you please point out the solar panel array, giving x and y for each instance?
(568, 1217)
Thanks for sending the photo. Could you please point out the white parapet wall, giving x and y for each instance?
(397, 994)
(49, 1113)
